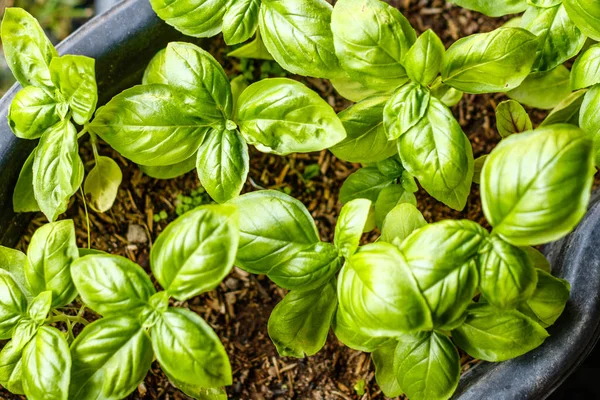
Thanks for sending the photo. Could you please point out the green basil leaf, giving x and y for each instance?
(589, 117)
(14, 262)
(102, 184)
(283, 116)
(223, 164)
(400, 222)
(51, 252)
(198, 392)
(192, 69)
(535, 186)
(424, 59)
(366, 183)
(537, 258)
(46, 366)
(299, 324)
(111, 285)
(254, 49)
(559, 38)
(196, 251)
(156, 71)
(366, 140)
(11, 368)
(146, 117)
(198, 18)
(497, 61)
(445, 93)
(298, 35)
(545, 3)
(354, 90)
(439, 155)
(274, 227)
(347, 332)
(478, 167)
(32, 111)
(543, 90)
(371, 40)
(567, 111)
(383, 358)
(238, 85)
(548, 300)
(75, 77)
(57, 169)
(586, 70)
(379, 294)
(189, 350)
(27, 50)
(39, 307)
(170, 171)
(110, 358)
(350, 226)
(497, 335)
(507, 275)
(441, 257)
(13, 304)
(493, 8)
(391, 167)
(407, 106)
(24, 331)
(389, 198)
(23, 196)
(511, 118)
(427, 366)
(586, 15)
(240, 21)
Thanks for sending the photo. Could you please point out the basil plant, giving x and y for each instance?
(57, 93)
(186, 115)
(423, 289)
(110, 357)
(410, 83)
(296, 33)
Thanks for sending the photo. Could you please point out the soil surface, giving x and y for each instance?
(239, 308)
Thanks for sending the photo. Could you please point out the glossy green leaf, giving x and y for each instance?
(548, 300)
(111, 285)
(14, 262)
(27, 50)
(238, 85)
(427, 366)
(198, 18)
(23, 196)
(57, 169)
(446, 93)
(424, 59)
(407, 106)
(511, 118)
(400, 222)
(441, 257)
(75, 77)
(544, 90)
(567, 111)
(110, 358)
(586, 70)
(255, 49)
(535, 186)
(11, 368)
(32, 111)
(156, 71)
(371, 40)
(545, 3)
(478, 167)
(379, 294)
(589, 118)
(13, 304)
(240, 21)
(223, 164)
(170, 171)
(46, 366)
(345, 330)
(102, 184)
(537, 258)
(383, 358)
(497, 61)
(497, 335)
(389, 198)
(198, 392)
(366, 183)
(493, 8)
(439, 155)
(391, 167)
(586, 15)
(51, 252)
(354, 90)
(283, 116)
(299, 324)
(39, 307)
(350, 226)
(298, 35)
(507, 275)
(366, 140)
(196, 251)
(189, 350)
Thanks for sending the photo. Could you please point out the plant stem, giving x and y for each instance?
(87, 219)
(82, 132)
(64, 318)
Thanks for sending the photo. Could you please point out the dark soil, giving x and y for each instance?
(239, 309)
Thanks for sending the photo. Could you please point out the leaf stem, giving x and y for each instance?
(87, 219)
(64, 318)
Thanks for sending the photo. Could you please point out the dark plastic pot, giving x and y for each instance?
(125, 38)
